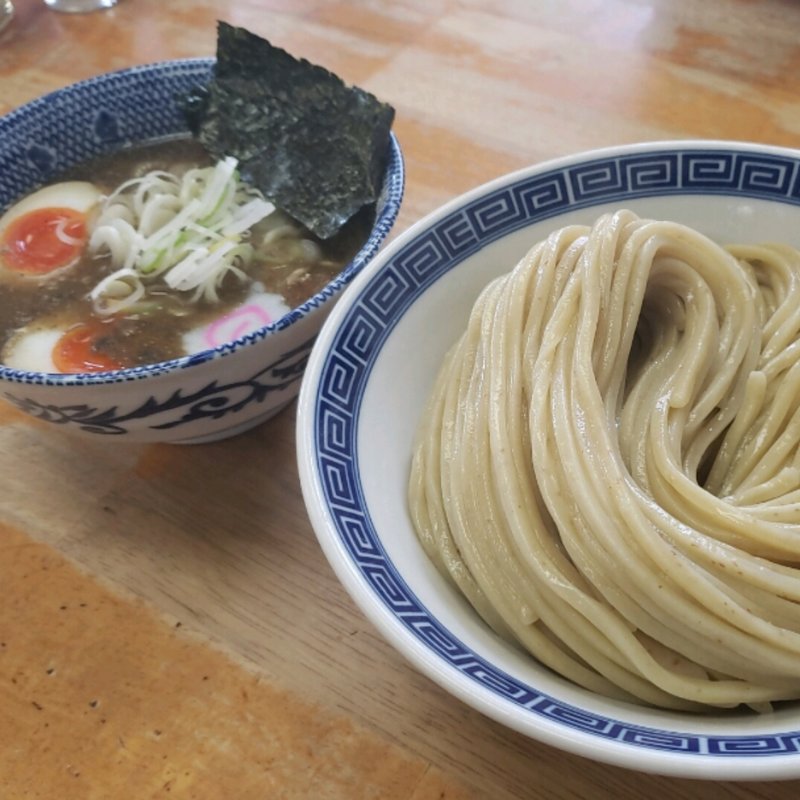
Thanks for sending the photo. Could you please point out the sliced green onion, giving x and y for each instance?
(244, 217)
(186, 231)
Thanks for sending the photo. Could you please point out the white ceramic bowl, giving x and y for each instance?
(198, 398)
(371, 371)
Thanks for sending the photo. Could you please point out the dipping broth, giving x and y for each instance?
(49, 321)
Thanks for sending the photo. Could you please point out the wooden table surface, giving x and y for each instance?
(168, 624)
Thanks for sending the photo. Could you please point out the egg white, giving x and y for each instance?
(31, 349)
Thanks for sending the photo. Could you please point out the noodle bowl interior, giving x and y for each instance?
(150, 254)
(608, 465)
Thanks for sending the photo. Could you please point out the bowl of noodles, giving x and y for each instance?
(549, 444)
(165, 270)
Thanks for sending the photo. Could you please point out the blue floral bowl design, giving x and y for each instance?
(203, 397)
(375, 361)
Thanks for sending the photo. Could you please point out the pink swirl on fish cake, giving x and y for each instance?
(243, 320)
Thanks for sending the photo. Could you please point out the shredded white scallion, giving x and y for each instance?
(117, 291)
(246, 216)
(187, 232)
(63, 236)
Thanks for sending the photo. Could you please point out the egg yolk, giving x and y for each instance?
(43, 240)
(80, 350)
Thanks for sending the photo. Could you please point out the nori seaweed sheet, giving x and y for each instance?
(316, 147)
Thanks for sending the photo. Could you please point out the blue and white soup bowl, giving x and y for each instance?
(196, 398)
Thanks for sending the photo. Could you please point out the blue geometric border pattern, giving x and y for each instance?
(437, 249)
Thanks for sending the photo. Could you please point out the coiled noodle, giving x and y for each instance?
(608, 467)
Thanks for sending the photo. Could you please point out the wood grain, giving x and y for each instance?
(133, 708)
(216, 537)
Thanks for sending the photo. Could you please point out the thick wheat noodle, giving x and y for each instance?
(608, 467)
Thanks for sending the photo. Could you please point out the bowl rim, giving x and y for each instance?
(392, 192)
(703, 764)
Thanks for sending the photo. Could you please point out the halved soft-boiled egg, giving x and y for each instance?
(51, 347)
(47, 230)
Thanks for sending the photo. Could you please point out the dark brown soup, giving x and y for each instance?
(288, 262)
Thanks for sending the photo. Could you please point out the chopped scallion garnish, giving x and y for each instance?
(203, 218)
